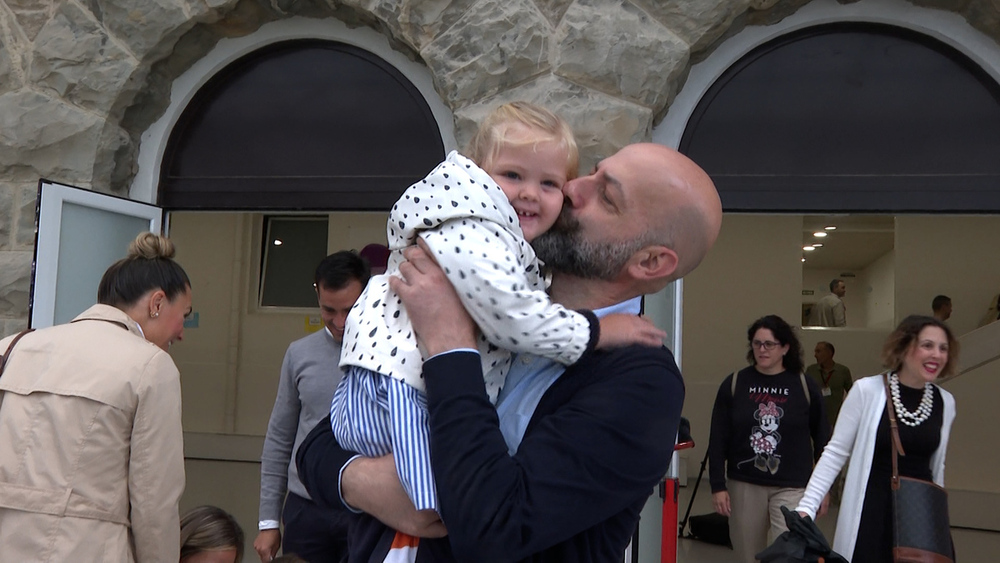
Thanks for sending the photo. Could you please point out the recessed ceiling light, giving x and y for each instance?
(830, 228)
(817, 244)
(808, 248)
(820, 234)
(277, 242)
(803, 259)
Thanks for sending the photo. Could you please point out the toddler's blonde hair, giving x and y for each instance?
(543, 126)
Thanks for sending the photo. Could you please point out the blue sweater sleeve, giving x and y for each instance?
(600, 440)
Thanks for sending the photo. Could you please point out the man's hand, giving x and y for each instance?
(439, 319)
(620, 329)
(371, 485)
(267, 543)
(720, 501)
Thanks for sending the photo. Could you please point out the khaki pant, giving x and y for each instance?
(756, 510)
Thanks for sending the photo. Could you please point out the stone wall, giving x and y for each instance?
(80, 80)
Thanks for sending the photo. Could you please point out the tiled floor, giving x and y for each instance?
(970, 546)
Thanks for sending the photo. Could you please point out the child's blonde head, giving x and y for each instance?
(532, 123)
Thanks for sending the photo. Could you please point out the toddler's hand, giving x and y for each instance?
(620, 329)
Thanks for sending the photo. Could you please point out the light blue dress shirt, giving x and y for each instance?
(530, 377)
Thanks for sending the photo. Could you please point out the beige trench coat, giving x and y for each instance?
(91, 448)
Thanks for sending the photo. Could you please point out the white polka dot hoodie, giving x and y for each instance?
(474, 234)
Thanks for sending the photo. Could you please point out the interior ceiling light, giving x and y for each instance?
(820, 234)
(803, 259)
(277, 242)
(817, 244)
(808, 248)
(830, 228)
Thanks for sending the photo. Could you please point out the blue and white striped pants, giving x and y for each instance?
(375, 415)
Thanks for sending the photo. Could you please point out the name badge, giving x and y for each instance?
(827, 392)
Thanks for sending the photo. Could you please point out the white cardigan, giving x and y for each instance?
(862, 409)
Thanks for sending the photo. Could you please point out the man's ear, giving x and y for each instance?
(653, 263)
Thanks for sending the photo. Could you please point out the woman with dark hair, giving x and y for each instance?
(91, 450)
(920, 351)
(210, 535)
(768, 427)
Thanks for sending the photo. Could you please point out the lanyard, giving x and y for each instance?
(826, 380)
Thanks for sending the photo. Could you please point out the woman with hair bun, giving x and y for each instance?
(91, 451)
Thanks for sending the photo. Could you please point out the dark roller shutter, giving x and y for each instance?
(300, 125)
(851, 118)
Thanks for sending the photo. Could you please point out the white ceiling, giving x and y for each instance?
(858, 241)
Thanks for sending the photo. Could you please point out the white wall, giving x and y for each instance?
(947, 255)
(970, 475)
(819, 282)
(879, 279)
(266, 333)
(870, 294)
(210, 247)
(753, 270)
(230, 364)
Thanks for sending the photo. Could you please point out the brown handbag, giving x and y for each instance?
(920, 526)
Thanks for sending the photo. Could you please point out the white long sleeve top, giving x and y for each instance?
(474, 234)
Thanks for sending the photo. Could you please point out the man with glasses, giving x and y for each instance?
(768, 429)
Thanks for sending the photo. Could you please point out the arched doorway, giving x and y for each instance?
(855, 117)
(305, 124)
(309, 141)
(851, 117)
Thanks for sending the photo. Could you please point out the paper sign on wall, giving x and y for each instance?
(313, 323)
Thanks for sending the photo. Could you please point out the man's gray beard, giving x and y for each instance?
(563, 249)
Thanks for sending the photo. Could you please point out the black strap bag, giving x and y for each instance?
(921, 530)
(3, 359)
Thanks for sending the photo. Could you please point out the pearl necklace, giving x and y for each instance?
(923, 411)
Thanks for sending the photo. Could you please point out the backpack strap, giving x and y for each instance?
(732, 390)
(3, 359)
(805, 388)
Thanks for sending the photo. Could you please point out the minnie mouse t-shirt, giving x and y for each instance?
(764, 431)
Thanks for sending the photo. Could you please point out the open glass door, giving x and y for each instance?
(658, 517)
(80, 233)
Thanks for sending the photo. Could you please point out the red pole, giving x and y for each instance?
(668, 544)
(669, 491)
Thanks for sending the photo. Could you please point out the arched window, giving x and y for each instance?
(300, 125)
(851, 117)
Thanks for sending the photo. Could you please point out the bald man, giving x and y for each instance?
(561, 467)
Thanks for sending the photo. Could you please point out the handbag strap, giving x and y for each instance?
(3, 359)
(897, 446)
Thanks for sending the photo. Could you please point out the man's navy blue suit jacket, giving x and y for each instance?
(598, 442)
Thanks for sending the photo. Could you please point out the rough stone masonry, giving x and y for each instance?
(80, 80)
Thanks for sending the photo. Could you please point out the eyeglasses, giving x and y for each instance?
(767, 344)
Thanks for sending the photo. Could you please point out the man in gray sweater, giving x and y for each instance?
(309, 376)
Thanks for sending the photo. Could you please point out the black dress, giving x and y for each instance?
(874, 544)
